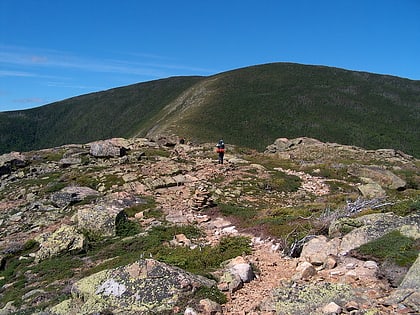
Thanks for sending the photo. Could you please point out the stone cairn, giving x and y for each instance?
(201, 199)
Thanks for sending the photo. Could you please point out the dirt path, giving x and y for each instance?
(271, 269)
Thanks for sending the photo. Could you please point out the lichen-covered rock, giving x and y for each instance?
(371, 191)
(70, 195)
(101, 219)
(65, 239)
(306, 298)
(375, 226)
(144, 286)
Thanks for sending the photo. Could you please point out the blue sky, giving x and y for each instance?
(51, 50)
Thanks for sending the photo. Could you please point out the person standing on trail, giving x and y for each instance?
(220, 149)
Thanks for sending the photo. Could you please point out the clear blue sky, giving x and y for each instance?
(55, 49)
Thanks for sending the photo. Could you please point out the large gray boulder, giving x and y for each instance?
(115, 147)
(379, 175)
(100, 220)
(70, 195)
(146, 286)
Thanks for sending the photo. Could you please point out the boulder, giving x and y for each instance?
(371, 191)
(235, 273)
(70, 195)
(101, 219)
(69, 161)
(146, 286)
(305, 298)
(115, 147)
(375, 226)
(318, 249)
(12, 161)
(408, 292)
(379, 175)
(65, 239)
(304, 271)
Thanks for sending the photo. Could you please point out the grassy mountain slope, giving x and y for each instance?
(249, 107)
(254, 106)
(112, 113)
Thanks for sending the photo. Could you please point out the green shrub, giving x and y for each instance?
(212, 293)
(394, 247)
(124, 226)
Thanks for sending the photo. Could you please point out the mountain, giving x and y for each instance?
(250, 107)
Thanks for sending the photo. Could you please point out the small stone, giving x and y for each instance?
(370, 264)
(332, 308)
(352, 306)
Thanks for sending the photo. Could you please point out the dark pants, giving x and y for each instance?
(221, 155)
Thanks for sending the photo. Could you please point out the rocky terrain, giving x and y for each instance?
(71, 216)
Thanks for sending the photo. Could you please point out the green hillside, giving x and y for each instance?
(117, 112)
(249, 107)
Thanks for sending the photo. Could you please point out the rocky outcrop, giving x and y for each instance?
(408, 293)
(12, 161)
(146, 286)
(378, 175)
(100, 220)
(71, 194)
(66, 239)
(375, 226)
(116, 147)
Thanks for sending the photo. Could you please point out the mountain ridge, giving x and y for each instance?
(250, 106)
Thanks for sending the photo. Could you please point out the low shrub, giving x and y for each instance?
(393, 247)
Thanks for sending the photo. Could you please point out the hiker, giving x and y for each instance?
(221, 150)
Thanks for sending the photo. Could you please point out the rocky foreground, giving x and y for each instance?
(62, 205)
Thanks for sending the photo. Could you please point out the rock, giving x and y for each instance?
(374, 226)
(116, 147)
(12, 161)
(210, 307)
(331, 308)
(65, 239)
(144, 286)
(289, 299)
(412, 278)
(66, 162)
(9, 308)
(181, 240)
(379, 175)
(304, 271)
(190, 311)
(101, 218)
(371, 191)
(235, 273)
(70, 195)
(318, 249)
